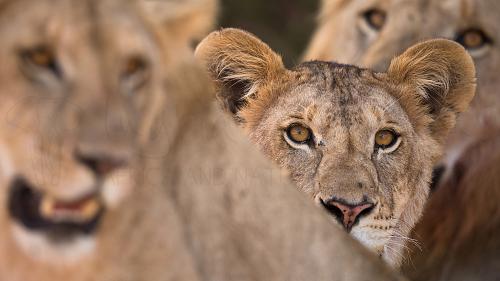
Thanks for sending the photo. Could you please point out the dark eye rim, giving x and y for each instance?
(396, 135)
(288, 133)
(138, 79)
(26, 54)
(461, 37)
(369, 12)
(143, 66)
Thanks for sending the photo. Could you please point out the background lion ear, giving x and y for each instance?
(188, 20)
(329, 6)
(239, 63)
(438, 80)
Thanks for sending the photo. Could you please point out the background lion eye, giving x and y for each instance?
(375, 18)
(299, 133)
(42, 57)
(133, 66)
(135, 74)
(385, 138)
(473, 39)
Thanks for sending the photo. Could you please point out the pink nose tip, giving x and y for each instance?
(348, 214)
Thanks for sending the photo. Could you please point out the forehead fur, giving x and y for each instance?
(337, 87)
(91, 23)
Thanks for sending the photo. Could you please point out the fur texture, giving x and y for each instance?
(451, 247)
(190, 20)
(343, 34)
(192, 199)
(343, 107)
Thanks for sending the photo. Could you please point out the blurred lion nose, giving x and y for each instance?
(101, 165)
(347, 214)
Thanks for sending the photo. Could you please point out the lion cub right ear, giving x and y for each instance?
(437, 81)
(240, 64)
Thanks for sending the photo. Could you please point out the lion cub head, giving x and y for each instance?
(362, 144)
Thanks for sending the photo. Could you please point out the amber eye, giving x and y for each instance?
(134, 66)
(299, 133)
(375, 18)
(473, 39)
(42, 57)
(385, 139)
(135, 74)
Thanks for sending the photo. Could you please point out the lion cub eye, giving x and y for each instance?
(41, 57)
(473, 39)
(386, 140)
(299, 133)
(375, 18)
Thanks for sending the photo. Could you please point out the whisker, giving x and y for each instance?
(398, 235)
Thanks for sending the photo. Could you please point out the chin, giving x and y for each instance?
(43, 248)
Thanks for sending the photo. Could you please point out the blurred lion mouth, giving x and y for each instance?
(59, 220)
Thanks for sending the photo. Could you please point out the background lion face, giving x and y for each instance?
(77, 78)
(371, 33)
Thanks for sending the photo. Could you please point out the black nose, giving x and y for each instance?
(347, 214)
(101, 165)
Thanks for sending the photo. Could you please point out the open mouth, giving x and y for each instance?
(60, 221)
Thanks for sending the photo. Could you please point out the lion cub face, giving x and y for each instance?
(77, 78)
(361, 144)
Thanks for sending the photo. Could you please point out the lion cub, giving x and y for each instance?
(361, 144)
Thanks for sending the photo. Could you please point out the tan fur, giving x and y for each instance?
(200, 203)
(443, 69)
(344, 106)
(80, 107)
(342, 36)
(191, 20)
(465, 246)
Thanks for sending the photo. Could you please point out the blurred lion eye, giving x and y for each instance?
(375, 18)
(42, 57)
(299, 133)
(135, 74)
(385, 139)
(473, 39)
(134, 66)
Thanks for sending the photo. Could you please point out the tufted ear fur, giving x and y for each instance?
(188, 20)
(330, 6)
(436, 81)
(240, 63)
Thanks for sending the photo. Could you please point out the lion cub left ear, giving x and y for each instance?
(240, 64)
(436, 81)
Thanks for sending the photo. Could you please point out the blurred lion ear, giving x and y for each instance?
(437, 81)
(188, 20)
(329, 6)
(240, 64)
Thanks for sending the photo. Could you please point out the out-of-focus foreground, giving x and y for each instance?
(118, 164)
